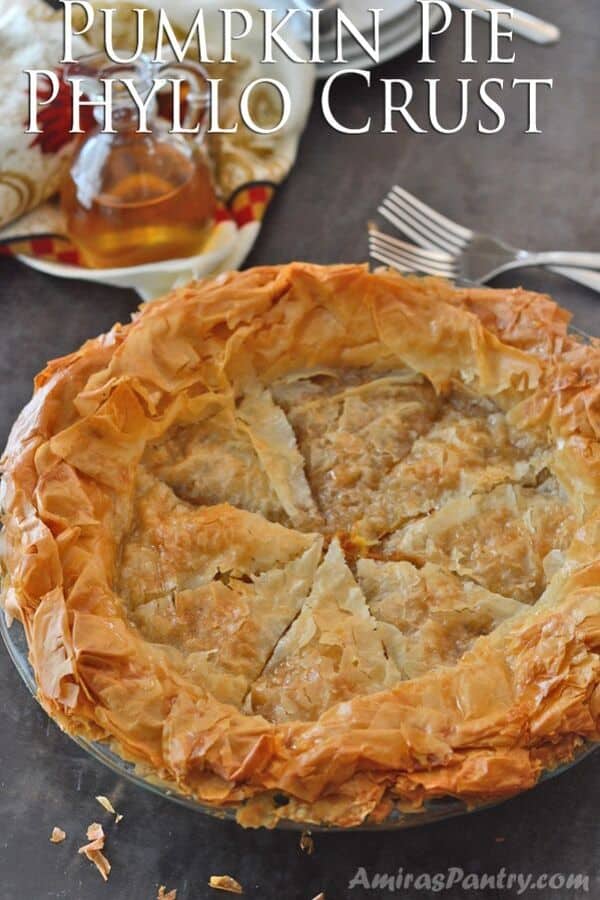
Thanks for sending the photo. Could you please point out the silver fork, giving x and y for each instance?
(408, 258)
(457, 252)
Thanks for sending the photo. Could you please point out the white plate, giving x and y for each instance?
(358, 11)
(299, 25)
(397, 45)
(390, 35)
(153, 279)
(406, 12)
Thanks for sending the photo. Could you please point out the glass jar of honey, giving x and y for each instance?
(131, 198)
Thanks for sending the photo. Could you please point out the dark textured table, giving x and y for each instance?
(538, 191)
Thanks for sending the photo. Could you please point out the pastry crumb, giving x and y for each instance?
(95, 855)
(306, 842)
(225, 883)
(57, 835)
(163, 894)
(93, 850)
(95, 832)
(101, 862)
(107, 805)
(105, 802)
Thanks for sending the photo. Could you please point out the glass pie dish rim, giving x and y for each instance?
(13, 636)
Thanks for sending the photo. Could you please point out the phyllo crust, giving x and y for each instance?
(316, 532)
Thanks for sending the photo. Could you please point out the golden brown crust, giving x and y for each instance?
(77, 471)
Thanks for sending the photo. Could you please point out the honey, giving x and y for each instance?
(151, 201)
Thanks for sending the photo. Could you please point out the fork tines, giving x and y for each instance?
(407, 258)
(423, 224)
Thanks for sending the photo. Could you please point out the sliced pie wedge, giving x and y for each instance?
(275, 445)
(434, 615)
(176, 546)
(186, 462)
(499, 539)
(333, 651)
(221, 634)
(469, 449)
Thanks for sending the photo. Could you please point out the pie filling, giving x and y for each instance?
(402, 525)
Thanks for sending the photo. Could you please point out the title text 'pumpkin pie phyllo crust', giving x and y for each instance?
(317, 543)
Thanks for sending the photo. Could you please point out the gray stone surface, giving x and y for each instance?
(538, 191)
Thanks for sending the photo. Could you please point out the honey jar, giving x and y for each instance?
(129, 197)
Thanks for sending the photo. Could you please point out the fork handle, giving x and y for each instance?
(522, 23)
(559, 258)
(582, 276)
